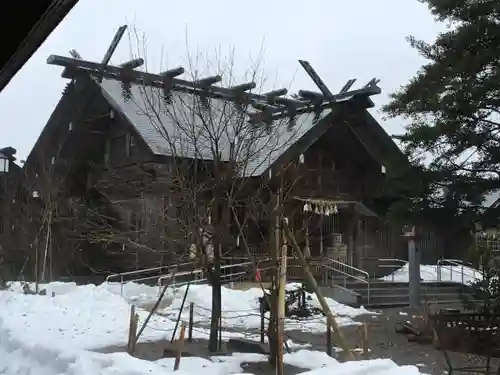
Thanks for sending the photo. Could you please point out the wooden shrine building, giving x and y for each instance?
(132, 163)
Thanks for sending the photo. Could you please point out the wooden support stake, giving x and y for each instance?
(191, 321)
(132, 329)
(180, 345)
(136, 325)
(330, 319)
(329, 343)
(365, 340)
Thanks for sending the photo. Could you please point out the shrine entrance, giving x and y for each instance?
(331, 230)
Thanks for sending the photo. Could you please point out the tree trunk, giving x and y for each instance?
(218, 226)
(213, 343)
(272, 330)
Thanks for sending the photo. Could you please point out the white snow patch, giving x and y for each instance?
(44, 335)
(241, 309)
(434, 273)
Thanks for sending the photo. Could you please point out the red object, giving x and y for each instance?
(257, 275)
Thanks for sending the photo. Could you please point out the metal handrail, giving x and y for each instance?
(359, 270)
(396, 262)
(361, 279)
(223, 278)
(365, 279)
(141, 271)
(144, 270)
(451, 263)
(201, 271)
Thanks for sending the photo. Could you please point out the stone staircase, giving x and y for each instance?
(378, 293)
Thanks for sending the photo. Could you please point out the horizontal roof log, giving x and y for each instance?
(273, 103)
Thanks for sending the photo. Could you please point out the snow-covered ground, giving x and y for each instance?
(103, 315)
(48, 335)
(241, 309)
(433, 273)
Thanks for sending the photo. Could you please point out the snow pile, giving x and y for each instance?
(134, 292)
(44, 335)
(88, 316)
(241, 309)
(370, 367)
(435, 273)
(55, 287)
(18, 359)
(93, 317)
(130, 291)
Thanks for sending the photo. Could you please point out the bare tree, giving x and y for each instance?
(53, 231)
(223, 151)
(30, 203)
(217, 148)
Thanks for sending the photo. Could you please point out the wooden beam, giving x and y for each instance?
(173, 72)
(347, 85)
(77, 65)
(111, 49)
(277, 106)
(312, 96)
(275, 93)
(208, 81)
(290, 102)
(373, 82)
(114, 43)
(74, 53)
(244, 87)
(316, 79)
(133, 64)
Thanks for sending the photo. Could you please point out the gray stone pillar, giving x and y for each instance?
(414, 270)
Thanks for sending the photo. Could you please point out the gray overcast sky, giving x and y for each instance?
(341, 39)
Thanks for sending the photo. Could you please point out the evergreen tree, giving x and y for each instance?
(452, 112)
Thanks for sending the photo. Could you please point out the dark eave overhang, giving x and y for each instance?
(27, 26)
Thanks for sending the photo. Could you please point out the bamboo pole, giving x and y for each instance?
(155, 307)
(180, 312)
(37, 266)
(47, 243)
(330, 319)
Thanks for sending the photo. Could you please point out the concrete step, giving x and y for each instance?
(387, 293)
(397, 294)
(405, 290)
(403, 299)
(390, 284)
